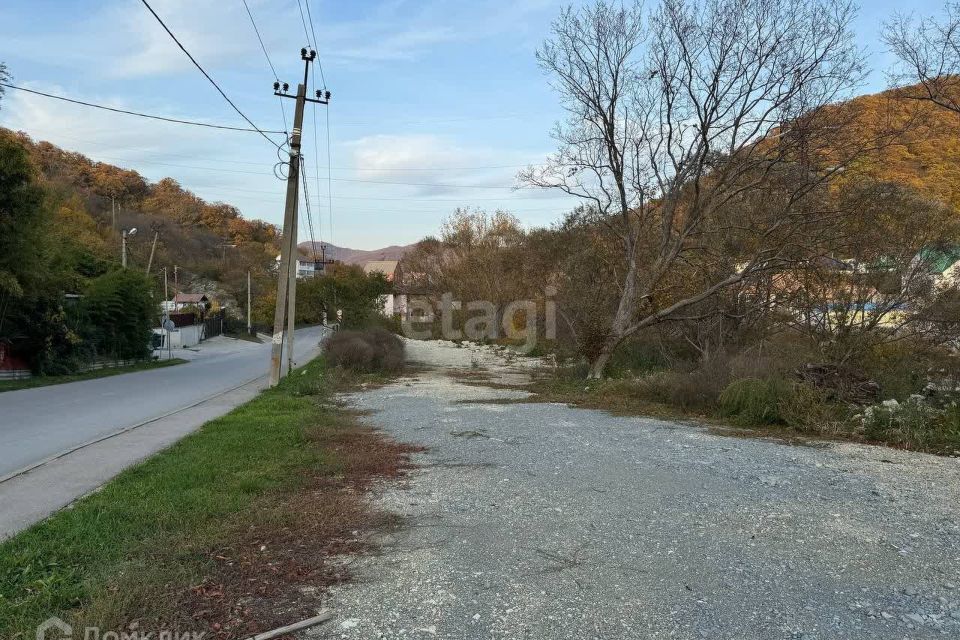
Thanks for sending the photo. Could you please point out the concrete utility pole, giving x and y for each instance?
(153, 248)
(166, 313)
(292, 296)
(249, 316)
(287, 277)
(123, 241)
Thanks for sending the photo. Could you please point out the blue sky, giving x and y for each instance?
(433, 92)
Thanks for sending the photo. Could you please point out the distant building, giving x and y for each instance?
(389, 268)
(307, 268)
(943, 264)
(393, 303)
(182, 300)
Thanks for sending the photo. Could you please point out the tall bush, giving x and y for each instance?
(118, 313)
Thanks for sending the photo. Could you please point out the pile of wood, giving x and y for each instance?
(840, 383)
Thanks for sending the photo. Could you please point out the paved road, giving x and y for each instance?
(545, 521)
(36, 424)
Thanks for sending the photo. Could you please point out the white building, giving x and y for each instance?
(306, 268)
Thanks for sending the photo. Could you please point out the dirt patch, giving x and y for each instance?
(470, 433)
(281, 566)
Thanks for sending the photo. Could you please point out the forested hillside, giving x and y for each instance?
(193, 232)
(921, 143)
(63, 298)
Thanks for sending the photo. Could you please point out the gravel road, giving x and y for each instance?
(535, 520)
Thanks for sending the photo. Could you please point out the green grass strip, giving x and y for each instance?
(156, 517)
(43, 381)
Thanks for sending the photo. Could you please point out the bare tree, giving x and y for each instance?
(677, 116)
(928, 51)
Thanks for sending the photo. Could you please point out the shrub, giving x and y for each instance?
(810, 409)
(951, 418)
(696, 390)
(370, 350)
(757, 400)
(913, 423)
(640, 355)
(901, 368)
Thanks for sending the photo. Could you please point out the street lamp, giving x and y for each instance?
(126, 233)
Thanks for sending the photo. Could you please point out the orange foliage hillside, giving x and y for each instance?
(922, 148)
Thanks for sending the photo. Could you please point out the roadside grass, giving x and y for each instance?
(43, 381)
(771, 408)
(223, 532)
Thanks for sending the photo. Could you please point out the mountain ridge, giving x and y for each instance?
(357, 256)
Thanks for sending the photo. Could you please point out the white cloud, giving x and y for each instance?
(123, 40)
(388, 156)
(94, 131)
(147, 49)
(428, 165)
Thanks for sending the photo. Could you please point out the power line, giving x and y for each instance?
(329, 184)
(304, 21)
(283, 110)
(137, 113)
(262, 46)
(306, 201)
(207, 75)
(316, 147)
(463, 200)
(260, 164)
(323, 80)
(317, 173)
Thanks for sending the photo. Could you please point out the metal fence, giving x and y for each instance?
(214, 325)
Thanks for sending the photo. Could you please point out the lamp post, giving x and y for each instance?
(123, 252)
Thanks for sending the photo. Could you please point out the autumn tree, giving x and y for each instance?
(674, 117)
(478, 256)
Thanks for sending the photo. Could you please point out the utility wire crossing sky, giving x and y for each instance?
(436, 104)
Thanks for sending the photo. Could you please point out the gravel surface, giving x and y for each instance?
(536, 520)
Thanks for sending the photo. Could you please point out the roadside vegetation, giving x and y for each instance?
(230, 531)
(64, 301)
(369, 350)
(775, 259)
(771, 388)
(345, 287)
(43, 381)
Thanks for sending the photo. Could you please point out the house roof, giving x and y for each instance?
(386, 267)
(939, 259)
(191, 298)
